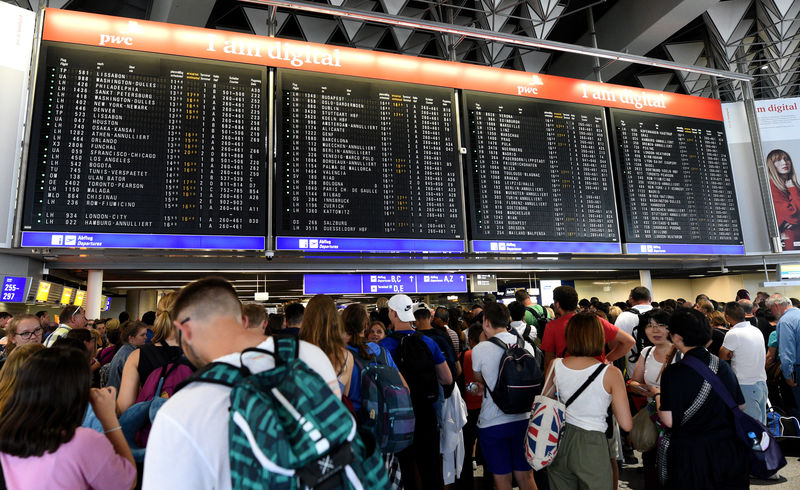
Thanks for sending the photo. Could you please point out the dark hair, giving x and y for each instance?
(294, 313)
(67, 313)
(640, 293)
(82, 334)
(274, 324)
(41, 313)
(48, 403)
(422, 314)
(497, 314)
(5, 314)
(585, 335)
(600, 306)
(521, 295)
(622, 305)
(566, 297)
(517, 311)
(124, 317)
(735, 311)
(356, 319)
(149, 318)
(476, 304)
(130, 329)
(207, 297)
(795, 302)
(489, 298)
(692, 325)
(442, 314)
(474, 333)
(584, 303)
(658, 315)
(700, 296)
(115, 337)
(669, 304)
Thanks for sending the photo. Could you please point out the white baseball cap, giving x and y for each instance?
(403, 306)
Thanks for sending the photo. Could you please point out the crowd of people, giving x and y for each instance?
(148, 401)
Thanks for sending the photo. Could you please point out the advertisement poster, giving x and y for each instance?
(779, 124)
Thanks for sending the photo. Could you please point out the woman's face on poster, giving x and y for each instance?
(783, 165)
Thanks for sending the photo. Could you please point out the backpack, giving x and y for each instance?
(526, 337)
(540, 320)
(287, 430)
(386, 409)
(445, 345)
(415, 362)
(160, 384)
(519, 379)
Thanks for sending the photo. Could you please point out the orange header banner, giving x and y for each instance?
(155, 37)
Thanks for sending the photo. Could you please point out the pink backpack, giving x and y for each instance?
(157, 388)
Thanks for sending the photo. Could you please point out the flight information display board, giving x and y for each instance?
(677, 188)
(146, 151)
(366, 166)
(391, 283)
(539, 176)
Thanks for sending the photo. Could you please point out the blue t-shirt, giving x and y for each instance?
(391, 344)
(355, 381)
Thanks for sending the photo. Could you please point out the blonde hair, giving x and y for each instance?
(12, 330)
(717, 319)
(774, 176)
(613, 313)
(163, 328)
(705, 307)
(322, 326)
(10, 371)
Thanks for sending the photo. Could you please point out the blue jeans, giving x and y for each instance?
(755, 397)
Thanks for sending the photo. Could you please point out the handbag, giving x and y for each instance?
(765, 456)
(547, 421)
(644, 434)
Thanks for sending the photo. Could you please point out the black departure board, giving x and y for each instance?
(146, 144)
(676, 180)
(366, 158)
(538, 171)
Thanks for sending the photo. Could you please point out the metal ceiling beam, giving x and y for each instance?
(634, 26)
(184, 12)
(470, 32)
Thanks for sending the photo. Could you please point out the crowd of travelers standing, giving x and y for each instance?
(207, 393)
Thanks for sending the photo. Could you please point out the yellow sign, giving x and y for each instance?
(79, 295)
(66, 295)
(43, 292)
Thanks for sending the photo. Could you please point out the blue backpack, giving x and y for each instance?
(386, 409)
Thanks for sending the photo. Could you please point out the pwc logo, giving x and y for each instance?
(125, 36)
(532, 88)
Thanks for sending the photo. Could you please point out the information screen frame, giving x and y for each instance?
(674, 247)
(325, 242)
(13, 291)
(74, 238)
(501, 246)
(380, 283)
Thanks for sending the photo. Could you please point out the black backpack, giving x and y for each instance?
(519, 379)
(541, 320)
(415, 362)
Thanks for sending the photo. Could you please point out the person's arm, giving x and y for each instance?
(102, 400)
(481, 384)
(129, 384)
(636, 384)
(620, 345)
(549, 357)
(725, 354)
(443, 374)
(190, 471)
(614, 384)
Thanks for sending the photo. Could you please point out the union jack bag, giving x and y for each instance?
(544, 428)
(547, 420)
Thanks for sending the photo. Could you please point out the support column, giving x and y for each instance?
(646, 281)
(94, 291)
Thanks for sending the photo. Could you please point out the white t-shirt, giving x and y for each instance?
(486, 360)
(749, 354)
(188, 444)
(627, 321)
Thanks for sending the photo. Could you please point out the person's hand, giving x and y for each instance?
(790, 382)
(654, 390)
(104, 404)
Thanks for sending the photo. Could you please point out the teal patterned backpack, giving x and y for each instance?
(287, 430)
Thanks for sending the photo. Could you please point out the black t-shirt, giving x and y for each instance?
(717, 338)
(154, 356)
(680, 386)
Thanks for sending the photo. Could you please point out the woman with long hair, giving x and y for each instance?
(163, 349)
(323, 327)
(785, 189)
(42, 444)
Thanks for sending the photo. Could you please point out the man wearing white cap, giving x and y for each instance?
(422, 364)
